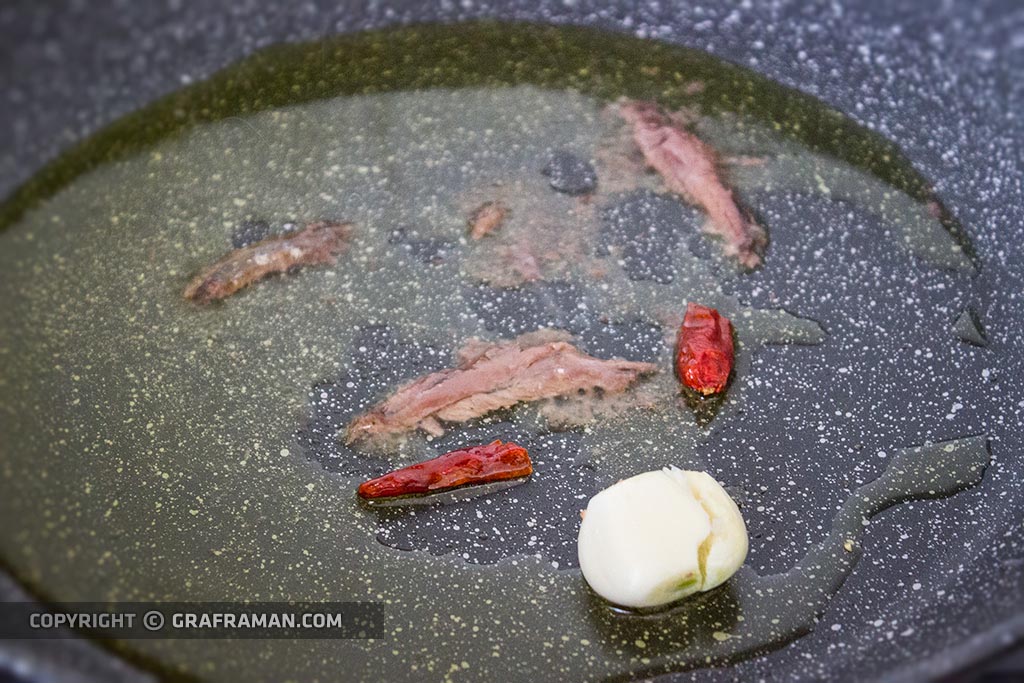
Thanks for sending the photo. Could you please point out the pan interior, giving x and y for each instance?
(154, 449)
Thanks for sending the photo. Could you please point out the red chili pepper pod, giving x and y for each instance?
(476, 465)
(704, 351)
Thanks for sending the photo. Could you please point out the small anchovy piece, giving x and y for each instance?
(689, 168)
(487, 218)
(320, 242)
(493, 376)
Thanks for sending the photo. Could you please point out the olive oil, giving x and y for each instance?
(157, 450)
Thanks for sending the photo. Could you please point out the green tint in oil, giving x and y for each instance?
(148, 448)
(601, 65)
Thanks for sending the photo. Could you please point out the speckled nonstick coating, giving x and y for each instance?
(939, 81)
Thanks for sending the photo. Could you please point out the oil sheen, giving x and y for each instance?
(154, 449)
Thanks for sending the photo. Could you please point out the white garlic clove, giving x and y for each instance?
(659, 536)
(726, 547)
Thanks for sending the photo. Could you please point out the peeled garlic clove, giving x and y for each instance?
(632, 550)
(725, 549)
(660, 536)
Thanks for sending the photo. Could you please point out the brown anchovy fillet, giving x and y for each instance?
(689, 168)
(318, 243)
(492, 376)
(487, 218)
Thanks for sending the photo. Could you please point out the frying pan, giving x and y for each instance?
(940, 582)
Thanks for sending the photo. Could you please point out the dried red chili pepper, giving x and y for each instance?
(704, 352)
(475, 465)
